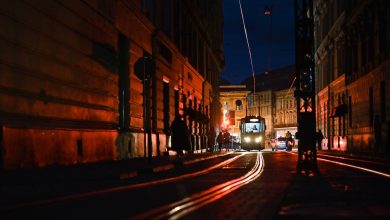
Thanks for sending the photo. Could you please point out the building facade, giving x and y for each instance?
(70, 92)
(352, 75)
(274, 100)
(278, 108)
(234, 107)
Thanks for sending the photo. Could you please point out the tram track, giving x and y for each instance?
(196, 201)
(77, 196)
(349, 162)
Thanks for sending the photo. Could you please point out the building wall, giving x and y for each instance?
(285, 117)
(69, 93)
(229, 95)
(277, 107)
(261, 104)
(352, 69)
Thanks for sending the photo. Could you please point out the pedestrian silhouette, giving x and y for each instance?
(226, 139)
(180, 135)
(319, 137)
(220, 140)
(289, 141)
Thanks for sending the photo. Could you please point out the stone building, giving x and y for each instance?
(69, 89)
(285, 116)
(352, 74)
(278, 108)
(273, 100)
(234, 107)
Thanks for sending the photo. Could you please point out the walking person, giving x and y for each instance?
(319, 137)
(220, 141)
(180, 135)
(289, 141)
(226, 140)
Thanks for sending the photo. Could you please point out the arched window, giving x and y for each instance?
(238, 104)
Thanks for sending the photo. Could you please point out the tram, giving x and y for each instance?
(252, 133)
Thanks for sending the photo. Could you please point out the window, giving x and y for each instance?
(166, 105)
(148, 7)
(383, 100)
(166, 17)
(238, 104)
(350, 111)
(371, 105)
(124, 81)
(177, 102)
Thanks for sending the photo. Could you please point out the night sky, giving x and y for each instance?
(271, 37)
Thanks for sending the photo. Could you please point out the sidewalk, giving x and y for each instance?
(26, 185)
(118, 169)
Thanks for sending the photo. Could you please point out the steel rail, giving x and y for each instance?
(352, 166)
(116, 189)
(196, 201)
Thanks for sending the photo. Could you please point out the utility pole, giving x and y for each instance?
(305, 85)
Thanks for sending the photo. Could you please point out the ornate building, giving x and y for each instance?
(352, 71)
(234, 107)
(278, 108)
(274, 100)
(71, 92)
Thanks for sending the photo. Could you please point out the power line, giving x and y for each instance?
(249, 48)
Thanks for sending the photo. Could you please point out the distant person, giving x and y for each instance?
(220, 140)
(319, 138)
(180, 135)
(289, 140)
(226, 139)
(211, 139)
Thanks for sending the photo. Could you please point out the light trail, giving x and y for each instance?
(352, 166)
(351, 159)
(249, 48)
(356, 167)
(192, 203)
(118, 189)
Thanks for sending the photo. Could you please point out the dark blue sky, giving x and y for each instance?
(271, 42)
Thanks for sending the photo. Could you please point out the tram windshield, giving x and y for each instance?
(254, 127)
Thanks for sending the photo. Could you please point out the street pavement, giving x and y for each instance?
(26, 185)
(304, 196)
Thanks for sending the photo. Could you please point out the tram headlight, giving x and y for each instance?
(258, 139)
(247, 139)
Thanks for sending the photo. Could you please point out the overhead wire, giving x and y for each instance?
(249, 48)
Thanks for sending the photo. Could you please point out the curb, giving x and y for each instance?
(166, 167)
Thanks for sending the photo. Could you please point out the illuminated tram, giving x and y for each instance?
(252, 133)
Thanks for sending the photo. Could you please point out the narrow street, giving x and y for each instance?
(240, 185)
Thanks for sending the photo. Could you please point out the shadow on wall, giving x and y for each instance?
(105, 55)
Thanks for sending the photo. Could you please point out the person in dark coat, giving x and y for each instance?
(220, 140)
(226, 140)
(319, 138)
(180, 135)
